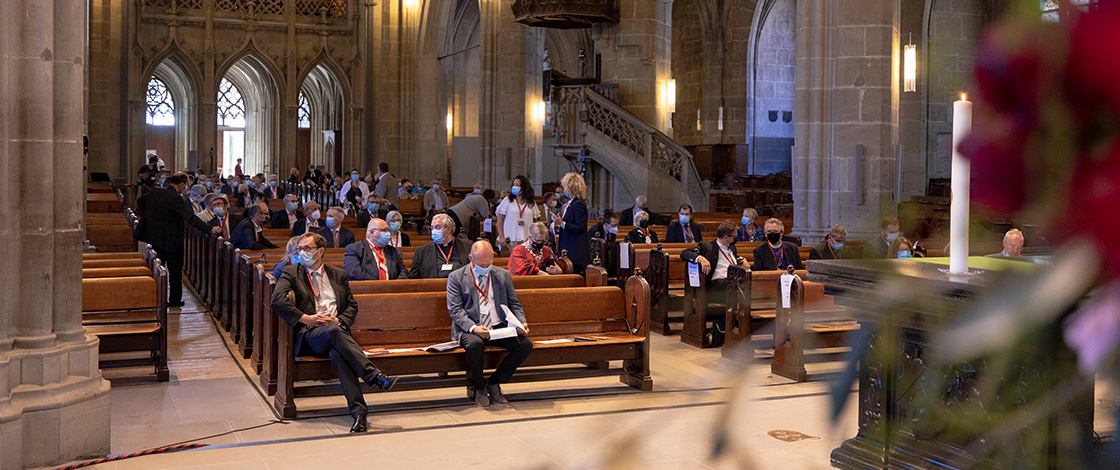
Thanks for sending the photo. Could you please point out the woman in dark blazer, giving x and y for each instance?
(571, 224)
(641, 234)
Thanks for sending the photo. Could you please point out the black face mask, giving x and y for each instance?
(643, 224)
(773, 237)
(537, 246)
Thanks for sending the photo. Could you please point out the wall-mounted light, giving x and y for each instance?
(411, 4)
(671, 95)
(698, 119)
(910, 66)
(450, 122)
(541, 110)
(719, 124)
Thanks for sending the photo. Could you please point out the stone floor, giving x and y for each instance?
(576, 424)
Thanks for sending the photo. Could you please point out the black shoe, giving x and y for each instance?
(175, 304)
(384, 382)
(470, 392)
(359, 425)
(496, 395)
(480, 399)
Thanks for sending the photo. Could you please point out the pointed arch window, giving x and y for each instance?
(1051, 8)
(161, 106)
(231, 106)
(304, 112)
(547, 62)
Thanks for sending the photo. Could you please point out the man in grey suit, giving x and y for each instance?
(475, 296)
(373, 258)
(321, 314)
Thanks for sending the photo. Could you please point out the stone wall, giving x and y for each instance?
(773, 90)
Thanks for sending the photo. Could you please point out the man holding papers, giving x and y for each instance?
(485, 312)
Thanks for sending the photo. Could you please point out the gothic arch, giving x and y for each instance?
(249, 48)
(327, 97)
(184, 92)
(770, 132)
(261, 91)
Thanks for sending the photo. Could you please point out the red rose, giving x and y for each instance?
(1093, 74)
(1095, 198)
(998, 167)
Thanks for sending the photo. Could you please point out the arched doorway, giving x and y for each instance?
(169, 115)
(247, 123)
(462, 90)
(772, 87)
(320, 121)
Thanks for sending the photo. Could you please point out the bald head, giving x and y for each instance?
(482, 254)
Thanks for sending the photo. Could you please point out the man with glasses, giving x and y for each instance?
(337, 236)
(775, 254)
(833, 245)
(444, 254)
(321, 314)
(374, 258)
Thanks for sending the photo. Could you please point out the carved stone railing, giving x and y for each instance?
(578, 109)
(565, 14)
(305, 11)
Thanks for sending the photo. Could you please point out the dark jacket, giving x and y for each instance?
(597, 231)
(710, 252)
(635, 236)
(345, 237)
(280, 218)
(427, 261)
(573, 236)
(764, 257)
(360, 262)
(301, 226)
(163, 212)
(823, 250)
(364, 216)
(675, 233)
(245, 237)
(294, 279)
(627, 217)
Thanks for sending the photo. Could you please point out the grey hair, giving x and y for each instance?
(776, 221)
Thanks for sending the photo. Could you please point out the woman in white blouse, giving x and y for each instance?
(517, 212)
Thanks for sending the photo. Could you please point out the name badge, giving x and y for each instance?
(446, 267)
(521, 223)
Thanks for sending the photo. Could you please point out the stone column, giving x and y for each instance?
(54, 405)
(846, 116)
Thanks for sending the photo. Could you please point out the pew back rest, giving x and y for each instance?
(90, 273)
(114, 263)
(440, 285)
(119, 293)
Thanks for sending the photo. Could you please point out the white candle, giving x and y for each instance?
(958, 212)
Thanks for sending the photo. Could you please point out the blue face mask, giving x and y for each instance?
(892, 236)
(904, 255)
(373, 206)
(745, 221)
(385, 236)
(437, 236)
(612, 230)
(684, 219)
(233, 184)
(566, 194)
(837, 246)
(395, 226)
(272, 182)
(330, 222)
(479, 271)
(207, 184)
(354, 177)
(306, 258)
(515, 190)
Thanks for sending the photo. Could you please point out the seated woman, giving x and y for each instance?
(901, 248)
(290, 256)
(396, 239)
(533, 257)
(641, 233)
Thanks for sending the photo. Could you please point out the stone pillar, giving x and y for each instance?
(846, 116)
(54, 405)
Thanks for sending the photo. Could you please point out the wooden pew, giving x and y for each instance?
(264, 338)
(128, 314)
(91, 273)
(417, 320)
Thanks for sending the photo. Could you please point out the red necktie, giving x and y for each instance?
(381, 261)
(336, 238)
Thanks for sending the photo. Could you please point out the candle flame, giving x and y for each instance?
(964, 97)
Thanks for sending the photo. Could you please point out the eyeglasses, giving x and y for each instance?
(306, 249)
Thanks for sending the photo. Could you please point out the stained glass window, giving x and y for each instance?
(547, 63)
(231, 107)
(161, 107)
(304, 112)
(1050, 8)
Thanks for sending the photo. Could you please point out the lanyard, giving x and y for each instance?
(446, 256)
(481, 292)
(775, 254)
(687, 232)
(310, 281)
(520, 208)
(835, 254)
(395, 240)
(730, 262)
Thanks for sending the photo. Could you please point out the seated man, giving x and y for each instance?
(1012, 244)
(889, 231)
(247, 234)
(273, 191)
(475, 296)
(435, 199)
(311, 223)
(288, 217)
(833, 245)
(375, 208)
(374, 259)
(218, 213)
(775, 254)
(337, 236)
(683, 230)
(714, 258)
(606, 229)
(640, 205)
(321, 316)
(443, 255)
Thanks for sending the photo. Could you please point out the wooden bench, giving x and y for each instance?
(91, 273)
(128, 314)
(413, 320)
(264, 337)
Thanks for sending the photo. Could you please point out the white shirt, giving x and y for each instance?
(363, 189)
(722, 262)
(487, 309)
(325, 301)
(514, 212)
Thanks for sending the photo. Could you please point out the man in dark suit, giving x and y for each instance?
(220, 215)
(714, 258)
(373, 258)
(162, 213)
(775, 254)
(606, 229)
(311, 223)
(640, 204)
(375, 208)
(247, 234)
(833, 245)
(337, 236)
(683, 230)
(475, 296)
(273, 191)
(889, 231)
(313, 175)
(288, 217)
(443, 255)
(321, 315)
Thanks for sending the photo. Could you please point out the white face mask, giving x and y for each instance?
(315, 215)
